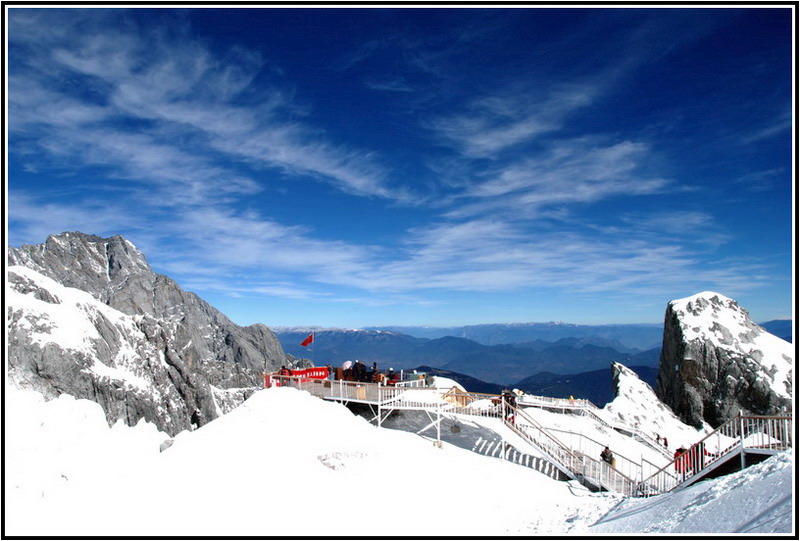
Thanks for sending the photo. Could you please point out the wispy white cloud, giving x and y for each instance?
(389, 84)
(33, 218)
(496, 122)
(573, 172)
(170, 96)
(778, 126)
(194, 129)
(764, 180)
(498, 255)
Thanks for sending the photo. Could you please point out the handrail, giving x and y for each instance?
(577, 464)
(548, 401)
(558, 453)
(635, 433)
(740, 433)
(622, 464)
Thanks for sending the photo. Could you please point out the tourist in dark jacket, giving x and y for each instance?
(607, 456)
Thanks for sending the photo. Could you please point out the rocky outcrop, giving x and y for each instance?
(636, 405)
(88, 317)
(715, 362)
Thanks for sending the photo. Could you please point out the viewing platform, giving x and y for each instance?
(737, 443)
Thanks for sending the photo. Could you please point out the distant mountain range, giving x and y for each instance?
(782, 328)
(630, 338)
(495, 353)
(596, 385)
(498, 364)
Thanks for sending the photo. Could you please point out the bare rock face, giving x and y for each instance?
(88, 317)
(715, 362)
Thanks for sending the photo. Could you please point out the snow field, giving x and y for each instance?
(286, 463)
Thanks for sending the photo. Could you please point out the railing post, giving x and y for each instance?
(380, 401)
(439, 423)
(741, 441)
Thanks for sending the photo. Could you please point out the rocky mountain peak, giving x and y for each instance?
(715, 361)
(98, 260)
(130, 323)
(111, 269)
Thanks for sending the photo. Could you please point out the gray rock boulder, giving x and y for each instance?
(715, 362)
(87, 316)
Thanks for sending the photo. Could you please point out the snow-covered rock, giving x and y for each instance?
(715, 362)
(88, 317)
(636, 405)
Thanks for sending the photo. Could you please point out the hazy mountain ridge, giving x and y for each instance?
(782, 328)
(500, 364)
(635, 336)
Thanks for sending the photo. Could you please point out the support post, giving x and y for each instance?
(439, 423)
(380, 400)
(502, 434)
(742, 462)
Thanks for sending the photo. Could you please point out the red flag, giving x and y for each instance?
(308, 340)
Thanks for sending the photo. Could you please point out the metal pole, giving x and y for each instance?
(741, 440)
(502, 434)
(380, 399)
(439, 423)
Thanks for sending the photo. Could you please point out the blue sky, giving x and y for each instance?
(438, 166)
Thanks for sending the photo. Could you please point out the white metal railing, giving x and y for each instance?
(530, 430)
(410, 383)
(739, 435)
(551, 402)
(576, 463)
(475, 404)
(606, 476)
(411, 395)
(591, 411)
(578, 443)
(587, 408)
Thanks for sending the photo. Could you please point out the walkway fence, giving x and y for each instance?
(741, 435)
(572, 453)
(572, 461)
(588, 409)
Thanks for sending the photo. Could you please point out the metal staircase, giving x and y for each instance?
(737, 439)
(575, 464)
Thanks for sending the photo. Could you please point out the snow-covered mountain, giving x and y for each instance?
(88, 317)
(715, 361)
(636, 405)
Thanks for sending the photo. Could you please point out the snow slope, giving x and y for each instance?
(758, 499)
(285, 463)
(637, 406)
